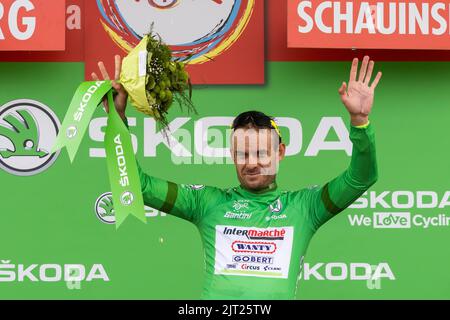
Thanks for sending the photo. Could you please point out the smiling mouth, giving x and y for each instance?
(252, 173)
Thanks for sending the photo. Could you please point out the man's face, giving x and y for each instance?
(256, 154)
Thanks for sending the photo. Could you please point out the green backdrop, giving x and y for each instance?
(49, 218)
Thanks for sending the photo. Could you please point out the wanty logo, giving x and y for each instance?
(28, 130)
(254, 247)
(197, 40)
(50, 272)
(104, 209)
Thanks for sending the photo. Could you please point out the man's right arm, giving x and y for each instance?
(168, 197)
(180, 200)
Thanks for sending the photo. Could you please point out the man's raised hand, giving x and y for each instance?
(358, 95)
(120, 100)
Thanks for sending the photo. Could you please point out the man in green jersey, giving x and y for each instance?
(255, 235)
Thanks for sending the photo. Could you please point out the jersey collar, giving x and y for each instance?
(269, 191)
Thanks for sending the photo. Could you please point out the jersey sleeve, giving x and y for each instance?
(189, 202)
(323, 202)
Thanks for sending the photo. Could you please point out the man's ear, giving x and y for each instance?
(281, 151)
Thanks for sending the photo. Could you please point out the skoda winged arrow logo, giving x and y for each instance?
(23, 135)
(71, 132)
(276, 206)
(127, 198)
(28, 130)
(104, 208)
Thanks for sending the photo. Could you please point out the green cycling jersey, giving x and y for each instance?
(254, 243)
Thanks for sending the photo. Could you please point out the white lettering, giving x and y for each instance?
(359, 17)
(73, 21)
(29, 22)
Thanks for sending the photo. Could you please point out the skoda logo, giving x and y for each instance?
(71, 132)
(28, 130)
(127, 198)
(104, 208)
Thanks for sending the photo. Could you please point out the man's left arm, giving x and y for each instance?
(342, 191)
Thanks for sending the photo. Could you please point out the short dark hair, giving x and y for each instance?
(255, 119)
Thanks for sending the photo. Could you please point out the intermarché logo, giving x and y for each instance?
(393, 210)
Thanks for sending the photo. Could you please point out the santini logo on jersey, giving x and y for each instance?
(239, 216)
(253, 234)
(254, 247)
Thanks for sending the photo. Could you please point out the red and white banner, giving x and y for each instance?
(32, 25)
(383, 24)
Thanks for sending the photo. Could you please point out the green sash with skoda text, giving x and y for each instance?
(121, 163)
(84, 102)
(122, 168)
